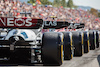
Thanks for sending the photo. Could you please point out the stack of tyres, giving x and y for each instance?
(68, 47)
(97, 39)
(86, 41)
(92, 39)
(52, 48)
(78, 43)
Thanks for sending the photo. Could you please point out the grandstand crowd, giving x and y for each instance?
(13, 8)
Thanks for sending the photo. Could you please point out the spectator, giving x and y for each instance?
(12, 8)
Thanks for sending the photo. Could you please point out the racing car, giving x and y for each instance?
(21, 46)
(94, 39)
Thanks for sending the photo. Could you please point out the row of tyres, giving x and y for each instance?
(58, 47)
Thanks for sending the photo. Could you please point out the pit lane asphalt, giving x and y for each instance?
(91, 59)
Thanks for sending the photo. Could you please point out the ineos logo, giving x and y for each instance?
(16, 22)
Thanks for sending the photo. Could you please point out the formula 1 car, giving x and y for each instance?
(78, 43)
(68, 46)
(97, 39)
(86, 41)
(71, 41)
(21, 46)
(94, 39)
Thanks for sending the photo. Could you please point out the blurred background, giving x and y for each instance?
(76, 11)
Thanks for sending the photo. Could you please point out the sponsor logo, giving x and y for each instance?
(17, 22)
(73, 25)
(50, 23)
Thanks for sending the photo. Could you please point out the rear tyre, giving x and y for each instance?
(92, 40)
(86, 47)
(78, 50)
(77, 41)
(52, 48)
(97, 39)
(68, 46)
(86, 42)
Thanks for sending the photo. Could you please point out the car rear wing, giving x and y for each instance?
(21, 23)
(55, 24)
(62, 24)
(30, 23)
(76, 25)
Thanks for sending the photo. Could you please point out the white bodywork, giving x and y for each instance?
(26, 34)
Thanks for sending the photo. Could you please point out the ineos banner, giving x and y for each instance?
(11, 22)
(29, 23)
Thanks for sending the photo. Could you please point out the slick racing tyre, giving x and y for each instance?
(52, 48)
(86, 42)
(92, 40)
(68, 50)
(78, 43)
(97, 39)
